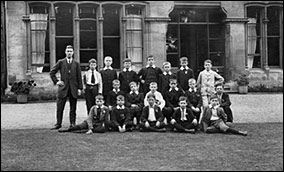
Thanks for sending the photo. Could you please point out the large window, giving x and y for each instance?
(197, 33)
(264, 36)
(95, 29)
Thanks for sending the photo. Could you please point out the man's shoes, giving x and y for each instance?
(56, 127)
(244, 133)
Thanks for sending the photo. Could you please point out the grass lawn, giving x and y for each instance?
(43, 149)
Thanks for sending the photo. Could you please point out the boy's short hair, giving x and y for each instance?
(92, 60)
(69, 46)
(219, 84)
(191, 80)
(208, 61)
(99, 97)
(153, 83)
(183, 59)
(150, 56)
(108, 57)
(173, 79)
(132, 83)
(116, 81)
(127, 60)
(120, 97)
(151, 95)
(182, 98)
(213, 96)
(167, 63)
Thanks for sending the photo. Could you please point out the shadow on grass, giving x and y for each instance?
(43, 149)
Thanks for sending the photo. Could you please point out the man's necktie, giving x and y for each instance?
(93, 78)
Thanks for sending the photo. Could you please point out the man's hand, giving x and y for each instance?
(158, 123)
(142, 81)
(147, 125)
(79, 92)
(89, 132)
(194, 121)
(60, 83)
(173, 121)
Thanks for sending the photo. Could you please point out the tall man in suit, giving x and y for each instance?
(69, 85)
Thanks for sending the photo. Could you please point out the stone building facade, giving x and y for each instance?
(238, 36)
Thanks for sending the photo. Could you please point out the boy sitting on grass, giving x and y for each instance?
(214, 119)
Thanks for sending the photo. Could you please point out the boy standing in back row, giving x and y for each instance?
(184, 74)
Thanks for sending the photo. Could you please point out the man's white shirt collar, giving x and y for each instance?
(165, 73)
(153, 66)
(124, 70)
(71, 59)
(120, 107)
(176, 88)
(194, 89)
(182, 68)
(105, 68)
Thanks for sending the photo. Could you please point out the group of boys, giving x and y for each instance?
(153, 100)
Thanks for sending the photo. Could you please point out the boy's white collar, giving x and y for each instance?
(120, 107)
(124, 70)
(182, 68)
(153, 66)
(165, 73)
(105, 68)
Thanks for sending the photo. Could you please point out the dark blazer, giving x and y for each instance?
(194, 98)
(135, 99)
(107, 77)
(182, 78)
(143, 73)
(120, 116)
(125, 77)
(172, 98)
(225, 103)
(158, 114)
(164, 81)
(111, 97)
(208, 113)
(72, 79)
(189, 115)
(95, 118)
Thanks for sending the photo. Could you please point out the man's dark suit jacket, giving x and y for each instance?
(158, 114)
(72, 79)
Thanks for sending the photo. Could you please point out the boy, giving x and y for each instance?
(214, 119)
(108, 75)
(184, 74)
(93, 84)
(172, 98)
(126, 76)
(149, 74)
(206, 82)
(159, 98)
(120, 116)
(224, 100)
(112, 94)
(164, 78)
(194, 98)
(96, 120)
(134, 101)
(183, 119)
(152, 117)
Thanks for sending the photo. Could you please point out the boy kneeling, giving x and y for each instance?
(183, 119)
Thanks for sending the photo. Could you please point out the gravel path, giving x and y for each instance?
(249, 108)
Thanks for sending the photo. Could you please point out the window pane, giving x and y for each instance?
(135, 54)
(87, 11)
(273, 52)
(38, 8)
(112, 48)
(216, 31)
(111, 21)
(255, 13)
(64, 19)
(256, 62)
(87, 55)
(273, 26)
(192, 15)
(88, 39)
(217, 59)
(135, 10)
(216, 45)
(88, 25)
(174, 15)
(61, 44)
(173, 59)
(216, 15)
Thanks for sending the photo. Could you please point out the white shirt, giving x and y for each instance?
(114, 90)
(69, 60)
(182, 115)
(120, 107)
(192, 90)
(151, 116)
(214, 113)
(182, 68)
(153, 66)
(176, 88)
(165, 73)
(124, 70)
(98, 79)
(136, 92)
(158, 96)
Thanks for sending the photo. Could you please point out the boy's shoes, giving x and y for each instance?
(56, 127)
(72, 125)
(63, 130)
(162, 130)
(244, 133)
(192, 131)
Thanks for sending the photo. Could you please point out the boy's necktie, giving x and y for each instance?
(93, 78)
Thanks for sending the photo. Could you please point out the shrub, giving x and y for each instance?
(23, 87)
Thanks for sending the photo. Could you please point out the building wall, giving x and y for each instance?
(157, 17)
